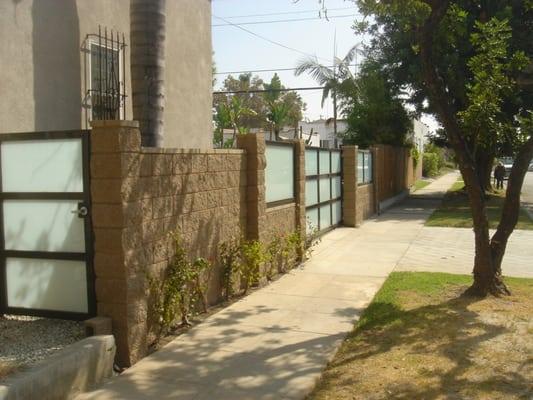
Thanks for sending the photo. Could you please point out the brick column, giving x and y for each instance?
(254, 145)
(299, 185)
(117, 213)
(349, 178)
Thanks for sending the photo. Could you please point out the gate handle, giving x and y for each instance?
(82, 211)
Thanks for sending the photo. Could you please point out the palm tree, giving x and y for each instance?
(278, 116)
(333, 79)
(147, 35)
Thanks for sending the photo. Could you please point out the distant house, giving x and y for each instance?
(420, 134)
(67, 62)
(325, 130)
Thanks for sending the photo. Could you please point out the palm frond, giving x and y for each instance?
(318, 72)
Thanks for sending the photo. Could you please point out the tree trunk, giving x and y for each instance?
(147, 35)
(487, 274)
(484, 163)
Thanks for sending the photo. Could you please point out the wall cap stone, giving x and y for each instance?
(114, 123)
(166, 150)
(281, 207)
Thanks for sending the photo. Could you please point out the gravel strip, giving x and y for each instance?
(24, 341)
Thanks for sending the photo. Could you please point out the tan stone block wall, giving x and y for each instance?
(365, 202)
(139, 196)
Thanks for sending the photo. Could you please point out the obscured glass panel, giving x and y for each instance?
(312, 219)
(325, 194)
(324, 161)
(311, 162)
(336, 187)
(58, 285)
(325, 216)
(336, 162)
(311, 192)
(43, 225)
(279, 177)
(369, 162)
(336, 209)
(360, 167)
(52, 165)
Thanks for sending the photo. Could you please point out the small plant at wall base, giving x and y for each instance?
(230, 259)
(253, 255)
(415, 154)
(274, 254)
(183, 284)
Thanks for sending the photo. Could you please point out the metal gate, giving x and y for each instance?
(323, 188)
(45, 230)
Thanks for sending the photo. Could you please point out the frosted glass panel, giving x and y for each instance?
(324, 189)
(279, 176)
(312, 219)
(325, 216)
(311, 192)
(52, 165)
(335, 162)
(360, 167)
(57, 285)
(43, 225)
(336, 187)
(311, 162)
(324, 161)
(368, 167)
(336, 209)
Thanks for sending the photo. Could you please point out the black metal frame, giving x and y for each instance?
(329, 176)
(371, 154)
(293, 198)
(83, 197)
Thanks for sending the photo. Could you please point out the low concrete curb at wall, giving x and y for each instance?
(66, 373)
(385, 204)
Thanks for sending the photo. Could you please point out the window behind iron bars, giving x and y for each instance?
(107, 94)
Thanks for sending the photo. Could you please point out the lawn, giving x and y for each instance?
(455, 210)
(420, 184)
(419, 339)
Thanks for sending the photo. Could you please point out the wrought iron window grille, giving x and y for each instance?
(105, 75)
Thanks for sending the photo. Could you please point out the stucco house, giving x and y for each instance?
(325, 130)
(67, 62)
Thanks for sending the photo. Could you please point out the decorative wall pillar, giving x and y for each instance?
(254, 145)
(299, 185)
(349, 178)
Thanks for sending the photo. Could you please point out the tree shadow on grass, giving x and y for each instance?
(438, 351)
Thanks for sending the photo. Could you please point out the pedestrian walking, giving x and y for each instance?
(499, 175)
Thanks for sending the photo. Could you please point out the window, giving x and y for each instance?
(364, 167)
(105, 81)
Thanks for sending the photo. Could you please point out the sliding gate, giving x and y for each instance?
(45, 231)
(323, 188)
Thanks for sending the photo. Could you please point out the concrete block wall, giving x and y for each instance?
(140, 195)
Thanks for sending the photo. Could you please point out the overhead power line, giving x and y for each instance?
(268, 70)
(269, 90)
(288, 20)
(269, 40)
(289, 12)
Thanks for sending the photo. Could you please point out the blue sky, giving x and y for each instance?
(236, 50)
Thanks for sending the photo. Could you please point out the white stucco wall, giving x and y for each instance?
(44, 68)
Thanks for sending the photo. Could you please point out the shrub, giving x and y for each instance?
(430, 165)
(230, 259)
(252, 256)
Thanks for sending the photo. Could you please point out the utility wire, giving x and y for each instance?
(288, 20)
(270, 70)
(288, 12)
(269, 40)
(269, 90)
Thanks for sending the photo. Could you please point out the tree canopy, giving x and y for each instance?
(465, 62)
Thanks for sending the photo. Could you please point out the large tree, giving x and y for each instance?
(147, 35)
(373, 111)
(463, 61)
(275, 102)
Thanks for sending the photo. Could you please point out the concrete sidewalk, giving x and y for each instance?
(274, 343)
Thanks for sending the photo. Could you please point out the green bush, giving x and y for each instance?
(430, 166)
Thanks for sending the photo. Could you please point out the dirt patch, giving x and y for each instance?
(439, 346)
